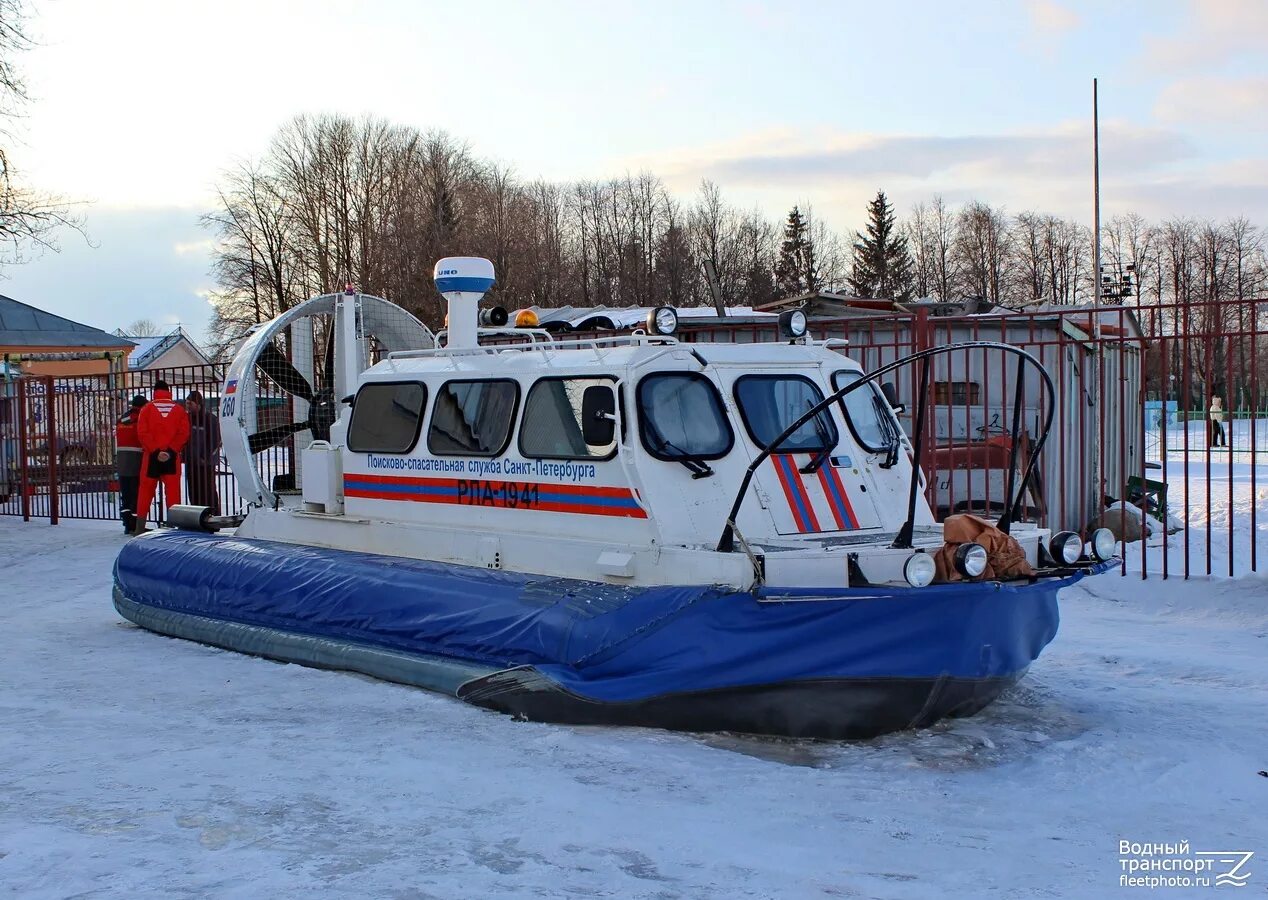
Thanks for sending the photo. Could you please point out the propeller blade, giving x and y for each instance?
(279, 368)
(271, 437)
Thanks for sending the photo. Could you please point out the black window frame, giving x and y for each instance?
(418, 426)
(510, 431)
(616, 440)
(642, 418)
(796, 376)
(845, 410)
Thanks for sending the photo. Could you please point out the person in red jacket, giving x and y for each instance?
(163, 427)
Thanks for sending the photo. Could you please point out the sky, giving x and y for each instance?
(138, 107)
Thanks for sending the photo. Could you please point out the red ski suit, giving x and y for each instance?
(162, 424)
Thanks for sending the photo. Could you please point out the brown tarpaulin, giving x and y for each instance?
(1005, 558)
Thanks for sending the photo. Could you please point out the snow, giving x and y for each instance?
(140, 766)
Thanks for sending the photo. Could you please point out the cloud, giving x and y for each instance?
(1061, 151)
(1213, 33)
(128, 272)
(1207, 99)
(1050, 18)
(201, 248)
(1154, 171)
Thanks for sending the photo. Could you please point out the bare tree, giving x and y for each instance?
(257, 264)
(930, 233)
(141, 328)
(981, 251)
(1128, 247)
(336, 199)
(28, 217)
(832, 258)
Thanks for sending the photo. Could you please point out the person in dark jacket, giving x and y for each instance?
(202, 454)
(127, 461)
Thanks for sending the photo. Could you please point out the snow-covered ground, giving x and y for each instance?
(133, 765)
(1215, 497)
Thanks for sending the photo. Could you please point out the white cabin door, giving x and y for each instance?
(832, 498)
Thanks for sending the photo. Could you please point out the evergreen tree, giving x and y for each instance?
(796, 271)
(882, 264)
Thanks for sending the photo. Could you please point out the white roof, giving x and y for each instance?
(607, 359)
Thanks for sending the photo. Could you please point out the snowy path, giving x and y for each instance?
(135, 765)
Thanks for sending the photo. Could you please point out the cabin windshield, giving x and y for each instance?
(866, 413)
(681, 417)
(770, 403)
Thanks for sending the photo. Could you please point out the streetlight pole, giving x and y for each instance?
(1096, 193)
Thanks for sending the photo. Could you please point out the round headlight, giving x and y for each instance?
(919, 569)
(793, 323)
(1066, 547)
(970, 559)
(1104, 544)
(662, 320)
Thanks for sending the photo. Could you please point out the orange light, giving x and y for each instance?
(525, 318)
(446, 320)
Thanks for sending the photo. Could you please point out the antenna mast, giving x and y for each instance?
(1096, 195)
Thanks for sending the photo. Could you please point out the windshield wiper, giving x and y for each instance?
(825, 438)
(696, 466)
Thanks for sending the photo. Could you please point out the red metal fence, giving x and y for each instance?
(1132, 423)
(57, 441)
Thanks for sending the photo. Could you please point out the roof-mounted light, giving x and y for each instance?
(662, 320)
(526, 318)
(493, 317)
(793, 323)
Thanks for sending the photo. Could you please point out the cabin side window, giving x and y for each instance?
(473, 418)
(770, 403)
(387, 417)
(956, 393)
(680, 416)
(554, 425)
(866, 412)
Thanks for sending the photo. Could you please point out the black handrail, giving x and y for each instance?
(1019, 390)
(726, 543)
(902, 540)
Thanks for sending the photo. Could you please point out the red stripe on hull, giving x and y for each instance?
(832, 503)
(498, 499)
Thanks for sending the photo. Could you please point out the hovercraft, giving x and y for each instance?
(616, 530)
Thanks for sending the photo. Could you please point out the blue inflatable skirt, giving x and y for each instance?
(836, 663)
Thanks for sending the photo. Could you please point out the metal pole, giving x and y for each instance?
(50, 427)
(1096, 193)
(24, 451)
(715, 287)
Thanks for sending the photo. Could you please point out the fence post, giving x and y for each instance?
(24, 451)
(50, 411)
